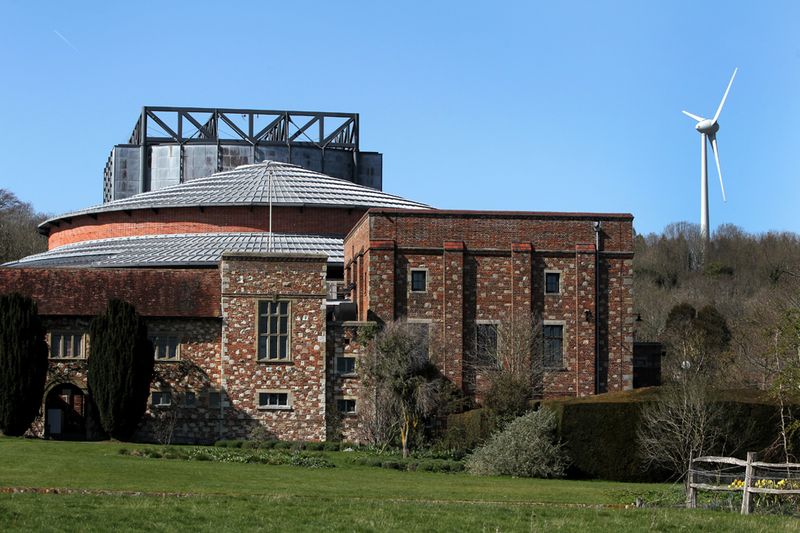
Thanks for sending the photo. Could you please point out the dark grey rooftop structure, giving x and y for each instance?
(252, 185)
(172, 145)
(179, 250)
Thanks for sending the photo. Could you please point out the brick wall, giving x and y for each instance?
(246, 279)
(85, 292)
(491, 267)
(345, 339)
(293, 220)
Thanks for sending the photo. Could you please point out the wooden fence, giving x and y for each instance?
(757, 478)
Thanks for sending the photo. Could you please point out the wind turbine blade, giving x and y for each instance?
(713, 139)
(725, 96)
(690, 115)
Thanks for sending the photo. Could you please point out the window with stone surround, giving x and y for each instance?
(553, 337)
(552, 282)
(166, 346)
(67, 345)
(486, 340)
(420, 329)
(271, 399)
(161, 399)
(345, 365)
(346, 406)
(273, 330)
(419, 279)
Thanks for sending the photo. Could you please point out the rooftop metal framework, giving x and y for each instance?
(200, 125)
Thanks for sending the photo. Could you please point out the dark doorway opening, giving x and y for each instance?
(66, 413)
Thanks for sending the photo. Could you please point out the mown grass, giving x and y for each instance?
(230, 496)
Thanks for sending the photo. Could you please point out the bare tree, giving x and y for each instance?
(513, 363)
(18, 234)
(681, 425)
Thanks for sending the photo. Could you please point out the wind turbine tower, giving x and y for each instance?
(708, 128)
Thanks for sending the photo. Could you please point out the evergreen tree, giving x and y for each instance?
(120, 368)
(23, 363)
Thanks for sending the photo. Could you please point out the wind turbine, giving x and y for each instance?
(708, 128)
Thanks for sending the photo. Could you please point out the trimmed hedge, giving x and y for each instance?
(599, 433)
(467, 430)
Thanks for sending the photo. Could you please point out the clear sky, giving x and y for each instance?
(545, 106)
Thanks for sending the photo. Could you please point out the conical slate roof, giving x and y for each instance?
(175, 250)
(248, 185)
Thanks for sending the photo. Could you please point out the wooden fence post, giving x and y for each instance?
(747, 496)
(691, 492)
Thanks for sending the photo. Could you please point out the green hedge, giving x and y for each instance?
(467, 430)
(600, 433)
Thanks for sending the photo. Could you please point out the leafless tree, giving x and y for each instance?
(18, 234)
(512, 362)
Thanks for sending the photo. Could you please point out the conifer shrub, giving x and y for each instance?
(23, 363)
(527, 447)
(120, 368)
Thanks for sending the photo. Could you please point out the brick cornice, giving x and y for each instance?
(381, 244)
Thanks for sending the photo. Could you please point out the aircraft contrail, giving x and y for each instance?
(66, 40)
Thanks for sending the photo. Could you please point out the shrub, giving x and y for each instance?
(527, 447)
(508, 397)
(393, 465)
(331, 446)
(120, 368)
(282, 445)
(23, 363)
(315, 446)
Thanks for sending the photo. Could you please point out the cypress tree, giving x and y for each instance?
(120, 368)
(23, 363)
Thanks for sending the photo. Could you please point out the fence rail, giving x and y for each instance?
(778, 473)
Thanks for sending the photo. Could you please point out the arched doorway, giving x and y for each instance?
(65, 413)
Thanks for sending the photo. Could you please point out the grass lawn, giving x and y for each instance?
(210, 496)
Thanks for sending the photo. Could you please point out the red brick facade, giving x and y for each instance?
(292, 220)
(480, 268)
(490, 267)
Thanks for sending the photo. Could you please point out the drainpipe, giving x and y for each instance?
(597, 307)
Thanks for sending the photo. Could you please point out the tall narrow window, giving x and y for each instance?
(552, 282)
(553, 346)
(273, 331)
(486, 341)
(419, 280)
(421, 333)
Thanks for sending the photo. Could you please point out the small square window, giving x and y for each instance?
(273, 400)
(419, 280)
(345, 365)
(346, 406)
(161, 399)
(552, 282)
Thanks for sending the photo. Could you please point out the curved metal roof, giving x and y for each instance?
(187, 249)
(292, 185)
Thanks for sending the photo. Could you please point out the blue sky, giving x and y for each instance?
(556, 106)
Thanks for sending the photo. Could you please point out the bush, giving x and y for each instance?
(331, 446)
(508, 397)
(315, 446)
(527, 447)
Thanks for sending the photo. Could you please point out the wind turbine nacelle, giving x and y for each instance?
(707, 126)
